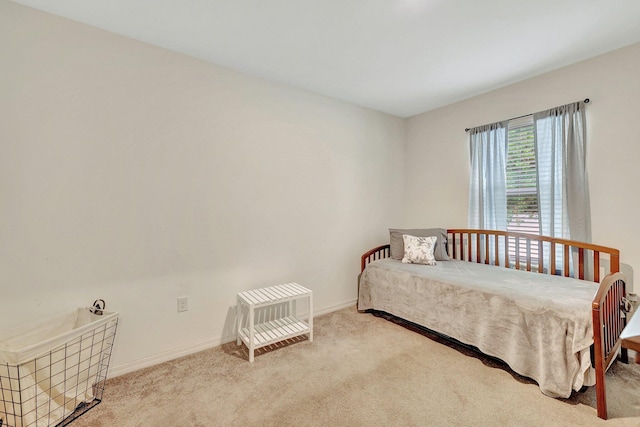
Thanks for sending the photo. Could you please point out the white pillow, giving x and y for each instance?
(419, 250)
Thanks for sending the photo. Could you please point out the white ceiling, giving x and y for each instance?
(402, 57)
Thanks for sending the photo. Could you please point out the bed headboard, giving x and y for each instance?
(530, 252)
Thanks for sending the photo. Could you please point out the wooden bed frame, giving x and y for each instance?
(498, 248)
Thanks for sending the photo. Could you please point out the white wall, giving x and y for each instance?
(137, 175)
(437, 156)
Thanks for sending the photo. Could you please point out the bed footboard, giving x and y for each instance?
(609, 319)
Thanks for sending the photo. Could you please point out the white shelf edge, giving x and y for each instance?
(274, 331)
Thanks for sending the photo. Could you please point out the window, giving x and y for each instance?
(521, 178)
(524, 169)
(522, 184)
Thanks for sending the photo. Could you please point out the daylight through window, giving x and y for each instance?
(522, 179)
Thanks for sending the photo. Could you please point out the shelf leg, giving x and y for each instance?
(239, 322)
(251, 332)
(310, 318)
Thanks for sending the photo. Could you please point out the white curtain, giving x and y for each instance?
(488, 183)
(563, 186)
(488, 186)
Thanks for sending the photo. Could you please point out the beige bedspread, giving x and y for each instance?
(537, 323)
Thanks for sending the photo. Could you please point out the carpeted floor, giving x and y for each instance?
(359, 370)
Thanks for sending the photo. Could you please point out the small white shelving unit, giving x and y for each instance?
(279, 327)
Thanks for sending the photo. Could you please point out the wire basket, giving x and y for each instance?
(54, 387)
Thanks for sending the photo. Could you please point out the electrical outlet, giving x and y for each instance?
(183, 304)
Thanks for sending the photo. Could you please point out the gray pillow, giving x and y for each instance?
(397, 244)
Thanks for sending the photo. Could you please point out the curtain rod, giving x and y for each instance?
(586, 101)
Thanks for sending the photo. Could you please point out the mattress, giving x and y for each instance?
(539, 324)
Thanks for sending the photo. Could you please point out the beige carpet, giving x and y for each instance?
(359, 370)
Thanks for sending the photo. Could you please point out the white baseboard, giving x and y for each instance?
(166, 356)
(333, 308)
(175, 353)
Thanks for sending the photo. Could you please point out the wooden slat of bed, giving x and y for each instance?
(518, 249)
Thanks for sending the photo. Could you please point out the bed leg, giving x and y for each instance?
(601, 370)
(601, 394)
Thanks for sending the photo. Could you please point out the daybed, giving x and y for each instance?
(541, 325)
